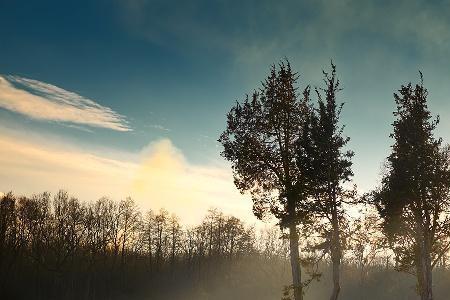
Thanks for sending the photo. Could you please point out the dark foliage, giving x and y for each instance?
(413, 198)
(260, 142)
(327, 167)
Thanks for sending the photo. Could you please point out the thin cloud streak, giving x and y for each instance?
(42, 101)
(159, 127)
(305, 27)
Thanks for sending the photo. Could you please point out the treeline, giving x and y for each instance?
(57, 247)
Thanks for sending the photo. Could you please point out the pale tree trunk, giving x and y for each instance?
(295, 263)
(335, 256)
(424, 269)
(426, 289)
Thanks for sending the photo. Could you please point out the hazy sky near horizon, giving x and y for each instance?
(128, 97)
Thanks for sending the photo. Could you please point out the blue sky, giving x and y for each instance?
(170, 70)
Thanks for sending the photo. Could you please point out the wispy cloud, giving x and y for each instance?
(296, 26)
(43, 101)
(159, 127)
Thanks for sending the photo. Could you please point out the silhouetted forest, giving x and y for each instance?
(56, 247)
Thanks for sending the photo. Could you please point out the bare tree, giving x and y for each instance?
(129, 223)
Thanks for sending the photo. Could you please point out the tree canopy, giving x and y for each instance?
(413, 198)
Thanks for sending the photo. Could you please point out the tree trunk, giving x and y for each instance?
(426, 275)
(295, 263)
(335, 256)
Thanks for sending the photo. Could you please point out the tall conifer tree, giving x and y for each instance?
(260, 142)
(413, 198)
(321, 153)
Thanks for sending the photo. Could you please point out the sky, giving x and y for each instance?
(128, 97)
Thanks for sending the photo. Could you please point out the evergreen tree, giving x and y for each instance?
(328, 167)
(260, 141)
(413, 197)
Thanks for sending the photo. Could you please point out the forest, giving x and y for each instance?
(56, 247)
(322, 238)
